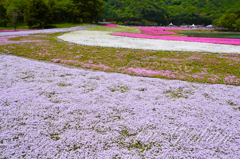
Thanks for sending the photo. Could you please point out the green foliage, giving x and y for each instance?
(230, 20)
(38, 14)
(227, 20)
(120, 23)
(163, 12)
(41, 13)
(89, 9)
(3, 15)
(65, 11)
(13, 16)
(127, 12)
(237, 24)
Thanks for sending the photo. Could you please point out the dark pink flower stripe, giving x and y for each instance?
(111, 25)
(191, 39)
(156, 31)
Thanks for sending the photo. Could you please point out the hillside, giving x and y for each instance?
(165, 11)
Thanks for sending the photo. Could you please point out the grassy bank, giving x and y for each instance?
(187, 66)
(22, 25)
(206, 31)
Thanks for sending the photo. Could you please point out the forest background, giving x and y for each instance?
(44, 13)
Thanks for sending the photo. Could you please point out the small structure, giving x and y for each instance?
(104, 22)
(192, 26)
(209, 26)
(170, 24)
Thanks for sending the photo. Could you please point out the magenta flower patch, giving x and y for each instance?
(156, 31)
(111, 25)
(190, 39)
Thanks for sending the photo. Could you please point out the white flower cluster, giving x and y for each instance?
(101, 38)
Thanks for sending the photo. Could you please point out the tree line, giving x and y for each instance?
(42, 13)
(230, 20)
(178, 12)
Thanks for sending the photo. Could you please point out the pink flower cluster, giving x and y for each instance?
(111, 25)
(86, 65)
(155, 31)
(142, 71)
(5, 40)
(190, 39)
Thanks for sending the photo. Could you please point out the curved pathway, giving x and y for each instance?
(83, 27)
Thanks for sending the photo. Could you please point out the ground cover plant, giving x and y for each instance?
(111, 25)
(53, 111)
(115, 29)
(49, 110)
(104, 38)
(188, 66)
(159, 33)
(179, 38)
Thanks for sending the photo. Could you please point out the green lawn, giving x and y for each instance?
(117, 29)
(187, 66)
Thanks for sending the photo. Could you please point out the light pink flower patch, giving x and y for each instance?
(56, 60)
(143, 71)
(232, 79)
(100, 66)
(190, 39)
(78, 56)
(89, 64)
(5, 40)
(194, 58)
(111, 25)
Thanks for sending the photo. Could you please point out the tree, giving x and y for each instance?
(13, 16)
(227, 20)
(89, 10)
(65, 10)
(38, 14)
(18, 5)
(3, 15)
(177, 11)
(237, 24)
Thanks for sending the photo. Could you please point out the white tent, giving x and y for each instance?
(170, 24)
(209, 26)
